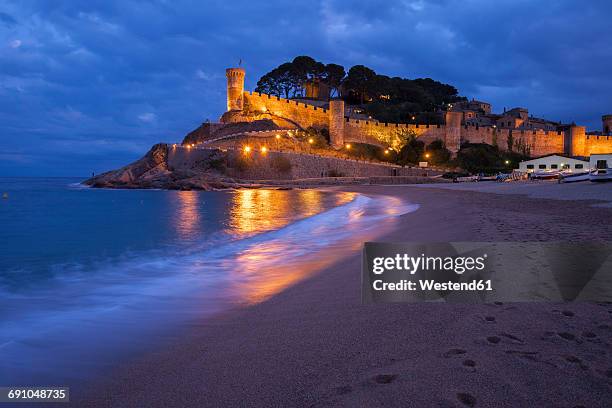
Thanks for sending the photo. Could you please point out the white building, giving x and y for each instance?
(600, 161)
(553, 163)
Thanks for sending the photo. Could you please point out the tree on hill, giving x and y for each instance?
(283, 81)
(307, 68)
(287, 80)
(334, 75)
(388, 99)
(360, 82)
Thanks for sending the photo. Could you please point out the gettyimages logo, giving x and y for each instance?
(486, 272)
(413, 264)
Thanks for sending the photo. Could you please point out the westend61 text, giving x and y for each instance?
(429, 284)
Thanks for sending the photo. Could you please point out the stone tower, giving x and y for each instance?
(453, 131)
(575, 146)
(235, 88)
(336, 122)
(606, 122)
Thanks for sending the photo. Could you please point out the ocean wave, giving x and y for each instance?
(113, 304)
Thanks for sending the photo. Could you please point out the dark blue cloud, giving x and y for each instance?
(90, 86)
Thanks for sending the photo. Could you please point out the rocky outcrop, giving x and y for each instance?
(152, 171)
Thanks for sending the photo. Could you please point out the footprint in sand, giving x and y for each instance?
(384, 378)
(343, 390)
(466, 399)
(493, 339)
(513, 338)
(454, 352)
(575, 360)
(567, 313)
(588, 334)
(469, 363)
(566, 336)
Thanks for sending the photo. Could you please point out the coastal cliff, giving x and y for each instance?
(153, 171)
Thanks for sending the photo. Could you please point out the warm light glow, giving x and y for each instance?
(386, 151)
(192, 145)
(187, 216)
(247, 149)
(278, 136)
(264, 149)
(259, 273)
(413, 118)
(311, 140)
(174, 146)
(188, 146)
(427, 155)
(348, 146)
(507, 161)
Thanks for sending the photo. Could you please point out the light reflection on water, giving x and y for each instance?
(256, 211)
(187, 218)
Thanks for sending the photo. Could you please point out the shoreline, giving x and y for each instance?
(315, 344)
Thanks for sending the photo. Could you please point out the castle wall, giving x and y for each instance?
(594, 144)
(301, 114)
(538, 142)
(260, 166)
(289, 113)
(314, 166)
(385, 134)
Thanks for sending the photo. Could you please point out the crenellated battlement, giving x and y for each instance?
(245, 105)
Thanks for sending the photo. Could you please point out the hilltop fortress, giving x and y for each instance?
(468, 121)
(266, 140)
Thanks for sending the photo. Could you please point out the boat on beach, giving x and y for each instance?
(569, 177)
(544, 175)
(599, 175)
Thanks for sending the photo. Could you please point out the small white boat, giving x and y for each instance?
(544, 175)
(601, 175)
(567, 177)
(466, 179)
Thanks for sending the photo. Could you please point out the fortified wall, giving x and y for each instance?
(247, 106)
(261, 166)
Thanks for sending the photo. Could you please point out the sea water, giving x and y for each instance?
(92, 277)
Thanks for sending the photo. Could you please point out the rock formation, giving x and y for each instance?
(152, 171)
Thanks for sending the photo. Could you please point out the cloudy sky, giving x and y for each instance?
(89, 86)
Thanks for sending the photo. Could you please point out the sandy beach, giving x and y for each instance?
(316, 345)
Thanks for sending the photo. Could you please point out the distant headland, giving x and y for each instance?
(325, 129)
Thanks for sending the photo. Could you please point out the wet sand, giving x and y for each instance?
(315, 344)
